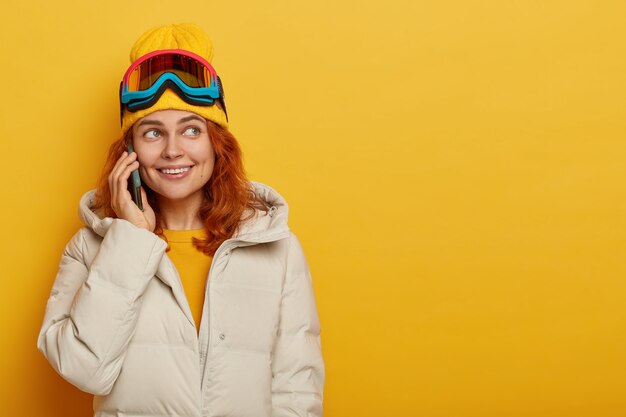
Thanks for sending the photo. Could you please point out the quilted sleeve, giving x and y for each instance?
(297, 364)
(91, 312)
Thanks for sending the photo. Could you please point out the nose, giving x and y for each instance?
(172, 149)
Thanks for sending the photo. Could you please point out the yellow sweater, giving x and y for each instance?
(192, 266)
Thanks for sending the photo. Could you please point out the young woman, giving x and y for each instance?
(200, 302)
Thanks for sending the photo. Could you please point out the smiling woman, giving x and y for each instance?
(199, 303)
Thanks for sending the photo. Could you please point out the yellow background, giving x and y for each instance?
(454, 169)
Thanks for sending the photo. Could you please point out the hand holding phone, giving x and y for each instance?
(124, 182)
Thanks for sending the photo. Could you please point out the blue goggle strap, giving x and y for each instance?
(204, 94)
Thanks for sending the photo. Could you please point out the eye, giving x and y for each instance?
(192, 131)
(152, 133)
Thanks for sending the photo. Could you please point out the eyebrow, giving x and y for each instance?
(158, 123)
(192, 117)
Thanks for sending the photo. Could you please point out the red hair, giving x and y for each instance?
(227, 194)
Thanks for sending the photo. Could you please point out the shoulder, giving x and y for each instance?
(296, 259)
(75, 248)
(83, 245)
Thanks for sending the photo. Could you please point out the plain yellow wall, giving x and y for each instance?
(455, 172)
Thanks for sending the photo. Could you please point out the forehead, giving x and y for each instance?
(168, 117)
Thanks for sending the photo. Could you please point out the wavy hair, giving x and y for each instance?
(227, 195)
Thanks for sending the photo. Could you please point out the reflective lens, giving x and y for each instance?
(190, 71)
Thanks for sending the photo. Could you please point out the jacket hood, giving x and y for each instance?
(264, 226)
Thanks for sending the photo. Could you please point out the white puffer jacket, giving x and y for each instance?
(118, 324)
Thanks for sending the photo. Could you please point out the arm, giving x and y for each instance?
(91, 313)
(297, 364)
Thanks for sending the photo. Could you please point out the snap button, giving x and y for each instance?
(222, 336)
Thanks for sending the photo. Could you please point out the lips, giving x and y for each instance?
(174, 170)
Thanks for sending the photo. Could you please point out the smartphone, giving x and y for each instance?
(134, 183)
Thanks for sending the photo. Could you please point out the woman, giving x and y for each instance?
(200, 303)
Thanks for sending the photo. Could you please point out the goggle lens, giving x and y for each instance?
(190, 71)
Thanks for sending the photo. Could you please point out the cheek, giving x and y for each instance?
(211, 154)
(147, 158)
(147, 155)
(207, 169)
(208, 165)
(204, 154)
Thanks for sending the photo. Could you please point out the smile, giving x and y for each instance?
(174, 170)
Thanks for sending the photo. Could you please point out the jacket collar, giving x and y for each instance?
(264, 226)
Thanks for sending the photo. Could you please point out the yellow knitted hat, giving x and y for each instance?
(185, 36)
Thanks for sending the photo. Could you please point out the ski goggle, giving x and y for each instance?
(192, 78)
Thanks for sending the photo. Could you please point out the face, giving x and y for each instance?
(175, 154)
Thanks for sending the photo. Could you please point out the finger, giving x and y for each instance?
(122, 164)
(111, 178)
(118, 171)
(122, 180)
(112, 174)
(119, 161)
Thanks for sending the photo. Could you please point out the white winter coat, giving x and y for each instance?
(118, 324)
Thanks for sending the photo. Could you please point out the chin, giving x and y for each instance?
(175, 194)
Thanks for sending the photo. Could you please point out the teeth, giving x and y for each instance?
(175, 171)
